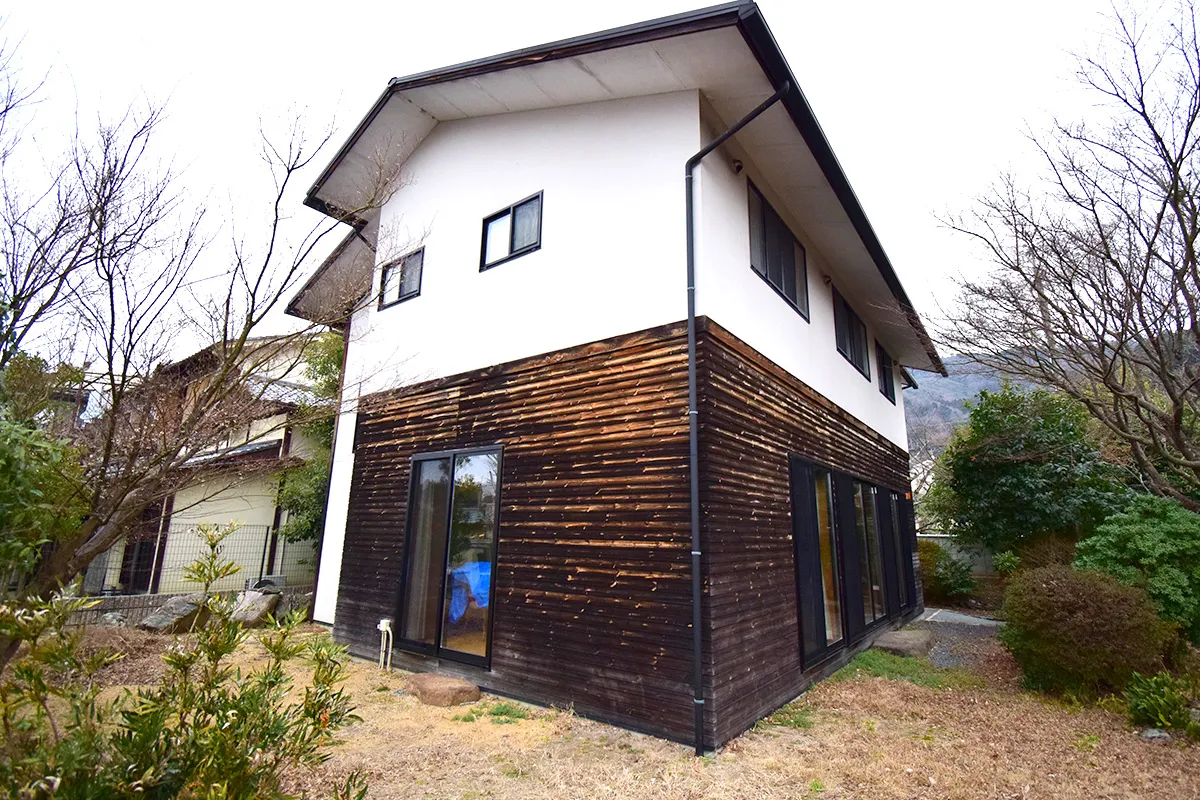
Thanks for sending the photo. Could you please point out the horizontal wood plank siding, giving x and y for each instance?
(593, 601)
(752, 415)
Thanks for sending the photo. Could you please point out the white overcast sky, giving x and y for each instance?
(923, 102)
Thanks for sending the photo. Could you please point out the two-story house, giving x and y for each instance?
(623, 423)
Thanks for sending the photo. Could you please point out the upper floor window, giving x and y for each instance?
(513, 232)
(887, 378)
(401, 278)
(851, 335)
(775, 254)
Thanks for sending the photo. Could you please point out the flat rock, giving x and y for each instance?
(1155, 735)
(255, 608)
(293, 601)
(442, 690)
(115, 618)
(905, 642)
(178, 615)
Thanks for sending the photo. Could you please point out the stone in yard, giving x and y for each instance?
(254, 608)
(907, 642)
(177, 615)
(115, 618)
(442, 690)
(1155, 735)
(1196, 715)
(293, 601)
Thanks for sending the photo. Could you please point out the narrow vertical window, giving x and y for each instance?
(871, 561)
(472, 547)
(817, 561)
(899, 549)
(887, 378)
(450, 555)
(512, 232)
(827, 545)
(851, 335)
(401, 278)
(775, 254)
(429, 501)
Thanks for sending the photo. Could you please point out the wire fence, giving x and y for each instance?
(157, 564)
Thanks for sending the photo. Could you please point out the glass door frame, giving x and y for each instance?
(801, 473)
(801, 470)
(435, 649)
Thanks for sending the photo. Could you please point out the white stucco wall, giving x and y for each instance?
(612, 261)
(612, 252)
(611, 258)
(731, 293)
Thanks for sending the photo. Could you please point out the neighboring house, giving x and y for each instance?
(522, 481)
(240, 485)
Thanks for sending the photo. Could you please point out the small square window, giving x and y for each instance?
(513, 232)
(401, 278)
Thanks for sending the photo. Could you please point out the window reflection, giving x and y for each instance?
(469, 561)
(827, 545)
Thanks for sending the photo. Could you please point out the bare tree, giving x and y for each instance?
(129, 270)
(1095, 282)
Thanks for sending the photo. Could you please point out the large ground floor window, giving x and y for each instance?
(450, 555)
(853, 551)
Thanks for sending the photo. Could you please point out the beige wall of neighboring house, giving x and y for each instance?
(249, 501)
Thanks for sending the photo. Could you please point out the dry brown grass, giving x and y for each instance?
(871, 738)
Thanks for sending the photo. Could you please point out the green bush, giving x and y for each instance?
(1047, 551)
(1159, 701)
(1006, 563)
(208, 730)
(943, 576)
(1024, 466)
(1153, 545)
(1080, 632)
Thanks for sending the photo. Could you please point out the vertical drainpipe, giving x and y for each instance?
(693, 407)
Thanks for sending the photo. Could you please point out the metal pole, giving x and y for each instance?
(694, 411)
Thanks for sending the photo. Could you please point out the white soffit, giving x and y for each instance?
(343, 278)
(717, 62)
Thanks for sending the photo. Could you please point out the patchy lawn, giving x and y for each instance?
(917, 732)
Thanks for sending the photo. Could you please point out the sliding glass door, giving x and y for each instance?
(818, 561)
(450, 550)
(870, 559)
(853, 557)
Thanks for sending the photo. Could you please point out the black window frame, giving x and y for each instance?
(435, 650)
(772, 217)
(893, 528)
(887, 373)
(844, 315)
(511, 211)
(398, 264)
(804, 528)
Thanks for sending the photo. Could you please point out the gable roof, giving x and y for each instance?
(725, 51)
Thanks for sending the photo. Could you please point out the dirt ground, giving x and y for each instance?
(867, 737)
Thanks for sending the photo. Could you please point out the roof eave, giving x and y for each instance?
(662, 28)
(758, 36)
(753, 27)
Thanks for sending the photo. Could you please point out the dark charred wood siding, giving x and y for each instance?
(593, 603)
(753, 415)
(593, 599)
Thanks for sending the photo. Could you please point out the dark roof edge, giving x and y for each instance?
(756, 33)
(662, 28)
(753, 27)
